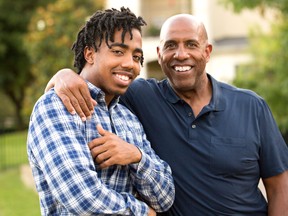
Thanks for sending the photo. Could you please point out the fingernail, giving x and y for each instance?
(83, 118)
(73, 112)
(89, 117)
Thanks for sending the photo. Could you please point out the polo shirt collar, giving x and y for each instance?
(217, 102)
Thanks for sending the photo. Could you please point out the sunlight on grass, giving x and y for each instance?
(13, 149)
(15, 198)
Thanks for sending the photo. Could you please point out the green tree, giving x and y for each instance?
(15, 65)
(267, 74)
(52, 32)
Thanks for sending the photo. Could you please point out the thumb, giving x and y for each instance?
(100, 129)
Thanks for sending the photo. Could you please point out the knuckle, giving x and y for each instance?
(81, 102)
(74, 103)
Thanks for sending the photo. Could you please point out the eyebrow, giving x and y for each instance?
(124, 46)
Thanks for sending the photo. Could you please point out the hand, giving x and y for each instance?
(151, 212)
(73, 92)
(109, 149)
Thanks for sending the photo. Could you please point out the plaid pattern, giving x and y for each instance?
(68, 181)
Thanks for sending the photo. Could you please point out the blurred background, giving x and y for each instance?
(250, 50)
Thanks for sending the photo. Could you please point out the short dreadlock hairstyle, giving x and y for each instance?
(101, 26)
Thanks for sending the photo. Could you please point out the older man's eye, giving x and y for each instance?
(170, 46)
(192, 45)
(137, 58)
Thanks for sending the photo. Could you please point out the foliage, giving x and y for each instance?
(14, 62)
(52, 32)
(267, 73)
(31, 54)
(238, 5)
(15, 198)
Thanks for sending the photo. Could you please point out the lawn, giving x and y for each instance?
(15, 198)
(13, 149)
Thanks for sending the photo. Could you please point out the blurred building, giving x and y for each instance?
(227, 31)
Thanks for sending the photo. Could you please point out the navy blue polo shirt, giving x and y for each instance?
(218, 157)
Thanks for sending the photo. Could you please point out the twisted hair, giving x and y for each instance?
(101, 26)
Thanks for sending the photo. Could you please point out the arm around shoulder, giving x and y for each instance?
(73, 91)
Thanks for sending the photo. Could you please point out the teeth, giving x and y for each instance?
(122, 77)
(182, 68)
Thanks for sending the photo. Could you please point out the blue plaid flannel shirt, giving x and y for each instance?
(67, 179)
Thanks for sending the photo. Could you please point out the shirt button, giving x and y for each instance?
(190, 114)
(193, 126)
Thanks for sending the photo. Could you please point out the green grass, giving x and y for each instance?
(13, 149)
(15, 198)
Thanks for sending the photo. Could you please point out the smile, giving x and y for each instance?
(182, 68)
(122, 77)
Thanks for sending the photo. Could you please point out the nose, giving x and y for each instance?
(128, 62)
(181, 53)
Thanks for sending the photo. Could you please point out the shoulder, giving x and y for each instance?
(141, 83)
(239, 93)
(48, 99)
(49, 105)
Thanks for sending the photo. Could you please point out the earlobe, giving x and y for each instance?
(88, 55)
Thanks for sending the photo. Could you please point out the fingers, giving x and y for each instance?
(100, 129)
(67, 98)
(85, 101)
(100, 154)
(74, 93)
(78, 104)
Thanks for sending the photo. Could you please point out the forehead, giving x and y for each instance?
(136, 37)
(181, 29)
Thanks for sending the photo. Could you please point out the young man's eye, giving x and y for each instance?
(117, 52)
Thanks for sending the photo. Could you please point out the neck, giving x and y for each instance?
(198, 97)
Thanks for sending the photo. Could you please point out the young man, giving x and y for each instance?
(127, 178)
(218, 139)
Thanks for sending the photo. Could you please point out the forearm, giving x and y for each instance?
(278, 206)
(83, 184)
(153, 181)
(278, 203)
(277, 194)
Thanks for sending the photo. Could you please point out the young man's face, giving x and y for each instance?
(113, 69)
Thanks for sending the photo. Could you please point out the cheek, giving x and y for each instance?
(137, 69)
(165, 58)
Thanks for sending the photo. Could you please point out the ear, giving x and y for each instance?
(208, 51)
(158, 54)
(89, 54)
